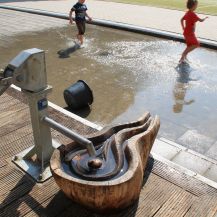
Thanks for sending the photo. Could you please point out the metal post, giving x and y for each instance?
(43, 149)
(42, 134)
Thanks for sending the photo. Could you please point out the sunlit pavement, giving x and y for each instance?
(159, 18)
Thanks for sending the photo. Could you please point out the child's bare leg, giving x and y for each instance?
(186, 51)
(191, 48)
(80, 38)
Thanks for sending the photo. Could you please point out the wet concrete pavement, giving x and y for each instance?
(159, 18)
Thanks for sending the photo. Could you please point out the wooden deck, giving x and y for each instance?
(166, 192)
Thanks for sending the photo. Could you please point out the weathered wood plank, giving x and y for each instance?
(157, 197)
(17, 143)
(205, 206)
(5, 98)
(15, 135)
(177, 205)
(9, 180)
(35, 197)
(9, 113)
(2, 163)
(12, 196)
(52, 207)
(11, 104)
(17, 95)
(17, 119)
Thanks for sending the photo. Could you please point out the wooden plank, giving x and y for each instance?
(5, 98)
(14, 103)
(17, 95)
(205, 206)
(14, 195)
(12, 94)
(20, 144)
(77, 211)
(10, 113)
(15, 135)
(3, 163)
(177, 205)
(52, 206)
(38, 195)
(17, 147)
(13, 184)
(9, 180)
(60, 137)
(17, 119)
(158, 197)
(5, 171)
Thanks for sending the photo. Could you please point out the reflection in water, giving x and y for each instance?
(181, 87)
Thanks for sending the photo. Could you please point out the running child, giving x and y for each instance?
(80, 10)
(188, 23)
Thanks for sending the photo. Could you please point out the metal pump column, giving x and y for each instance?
(27, 71)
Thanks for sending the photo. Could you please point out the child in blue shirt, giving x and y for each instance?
(80, 10)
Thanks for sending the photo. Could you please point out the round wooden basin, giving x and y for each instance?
(118, 191)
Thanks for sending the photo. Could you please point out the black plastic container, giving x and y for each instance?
(78, 95)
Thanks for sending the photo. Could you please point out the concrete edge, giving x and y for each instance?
(121, 26)
(185, 170)
(74, 116)
(213, 161)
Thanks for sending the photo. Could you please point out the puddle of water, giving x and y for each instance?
(129, 74)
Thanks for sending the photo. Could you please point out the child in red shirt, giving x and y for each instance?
(188, 27)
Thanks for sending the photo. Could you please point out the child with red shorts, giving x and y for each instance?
(80, 10)
(188, 23)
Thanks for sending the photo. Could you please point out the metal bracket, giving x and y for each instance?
(39, 171)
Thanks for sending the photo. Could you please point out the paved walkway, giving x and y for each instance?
(15, 23)
(159, 18)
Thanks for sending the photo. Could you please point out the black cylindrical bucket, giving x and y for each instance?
(78, 95)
